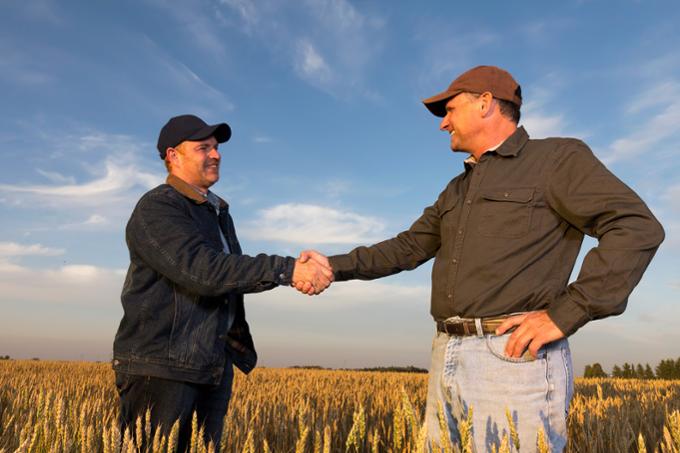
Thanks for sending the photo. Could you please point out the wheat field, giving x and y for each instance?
(72, 407)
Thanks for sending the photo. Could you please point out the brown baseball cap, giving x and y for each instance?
(479, 79)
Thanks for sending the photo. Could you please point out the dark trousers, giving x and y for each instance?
(170, 401)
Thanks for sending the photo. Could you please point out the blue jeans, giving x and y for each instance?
(474, 372)
(174, 400)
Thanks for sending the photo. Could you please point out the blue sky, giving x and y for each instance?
(331, 148)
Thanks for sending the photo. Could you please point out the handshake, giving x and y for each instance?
(312, 273)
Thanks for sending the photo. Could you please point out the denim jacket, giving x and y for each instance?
(179, 285)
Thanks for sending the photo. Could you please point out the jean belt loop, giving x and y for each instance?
(478, 327)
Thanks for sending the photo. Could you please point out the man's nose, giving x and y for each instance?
(214, 154)
(444, 125)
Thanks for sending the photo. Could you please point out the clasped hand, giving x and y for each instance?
(312, 273)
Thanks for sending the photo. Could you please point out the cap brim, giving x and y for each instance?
(221, 132)
(437, 103)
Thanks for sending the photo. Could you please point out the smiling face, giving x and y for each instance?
(463, 121)
(196, 162)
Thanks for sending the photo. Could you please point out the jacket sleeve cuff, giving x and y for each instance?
(285, 273)
(342, 267)
(568, 315)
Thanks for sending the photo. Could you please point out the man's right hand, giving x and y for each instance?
(312, 273)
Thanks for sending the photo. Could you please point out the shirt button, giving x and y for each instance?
(450, 296)
(506, 194)
(469, 201)
(460, 231)
(454, 261)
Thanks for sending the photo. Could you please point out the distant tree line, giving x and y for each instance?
(4, 357)
(666, 369)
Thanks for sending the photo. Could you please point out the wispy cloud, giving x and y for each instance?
(538, 120)
(21, 68)
(327, 37)
(262, 139)
(94, 222)
(311, 66)
(196, 20)
(341, 295)
(311, 224)
(13, 249)
(78, 284)
(661, 126)
(444, 59)
(56, 177)
(116, 180)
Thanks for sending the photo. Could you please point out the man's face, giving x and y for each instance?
(198, 162)
(462, 121)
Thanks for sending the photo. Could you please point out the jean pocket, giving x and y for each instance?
(496, 346)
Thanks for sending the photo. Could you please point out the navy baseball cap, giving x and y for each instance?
(189, 127)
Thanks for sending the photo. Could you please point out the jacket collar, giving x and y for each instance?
(190, 192)
(513, 144)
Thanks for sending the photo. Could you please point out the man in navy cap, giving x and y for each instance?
(184, 321)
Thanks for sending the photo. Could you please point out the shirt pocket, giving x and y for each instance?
(448, 211)
(506, 213)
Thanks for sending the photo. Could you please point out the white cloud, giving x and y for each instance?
(196, 21)
(13, 249)
(262, 139)
(310, 65)
(56, 177)
(657, 129)
(95, 221)
(311, 224)
(327, 37)
(341, 295)
(118, 179)
(538, 122)
(78, 284)
(540, 125)
(10, 250)
(246, 9)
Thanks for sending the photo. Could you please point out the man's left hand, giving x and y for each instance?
(534, 329)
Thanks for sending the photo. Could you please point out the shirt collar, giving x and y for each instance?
(510, 147)
(194, 194)
(513, 144)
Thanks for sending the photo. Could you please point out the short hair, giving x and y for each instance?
(508, 109)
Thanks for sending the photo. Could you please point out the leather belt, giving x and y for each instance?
(468, 327)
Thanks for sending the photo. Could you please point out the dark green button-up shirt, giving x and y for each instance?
(506, 232)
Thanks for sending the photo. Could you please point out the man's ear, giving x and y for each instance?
(171, 154)
(486, 104)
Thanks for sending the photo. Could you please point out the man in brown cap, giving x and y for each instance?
(505, 234)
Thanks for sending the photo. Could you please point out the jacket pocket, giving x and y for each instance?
(506, 213)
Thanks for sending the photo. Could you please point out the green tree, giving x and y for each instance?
(649, 374)
(639, 372)
(627, 371)
(588, 372)
(617, 372)
(666, 369)
(597, 370)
